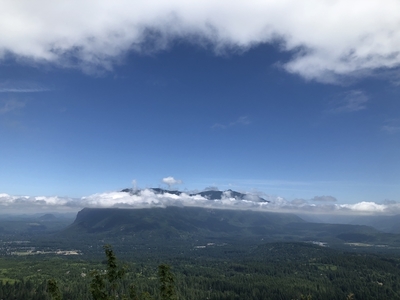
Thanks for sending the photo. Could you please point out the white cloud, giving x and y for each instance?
(28, 204)
(171, 181)
(134, 184)
(21, 90)
(147, 198)
(326, 38)
(366, 207)
(21, 87)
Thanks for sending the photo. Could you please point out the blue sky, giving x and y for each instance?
(269, 107)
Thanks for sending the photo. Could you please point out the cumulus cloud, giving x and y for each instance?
(170, 181)
(148, 198)
(25, 204)
(324, 199)
(366, 207)
(325, 39)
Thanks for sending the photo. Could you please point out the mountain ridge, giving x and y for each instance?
(174, 224)
(208, 194)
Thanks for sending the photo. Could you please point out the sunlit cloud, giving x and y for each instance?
(170, 181)
(367, 207)
(325, 39)
(147, 198)
(28, 204)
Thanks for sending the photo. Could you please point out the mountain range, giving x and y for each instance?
(208, 194)
(189, 224)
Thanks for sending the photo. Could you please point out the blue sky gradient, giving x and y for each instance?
(236, 119)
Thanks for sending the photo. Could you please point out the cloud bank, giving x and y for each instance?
(148, 198)
(325, 39)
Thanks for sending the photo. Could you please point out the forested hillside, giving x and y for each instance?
(213, 254)
(269, 271)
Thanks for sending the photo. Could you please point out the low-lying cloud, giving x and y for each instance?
(148, 198)
(324, 39)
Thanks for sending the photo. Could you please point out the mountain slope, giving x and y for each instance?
(182, 220)
(194, 223)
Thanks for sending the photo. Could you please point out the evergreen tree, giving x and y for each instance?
(53, 289)
(104, 286)
(167, 286)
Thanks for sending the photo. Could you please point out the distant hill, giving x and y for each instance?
(193, 223)
(389, 224)
(209, 194)
(384, 223)
(179, 221)
(47, 217)
(20, 225)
